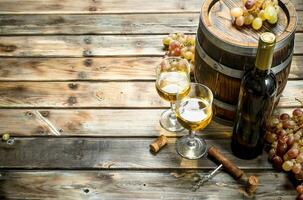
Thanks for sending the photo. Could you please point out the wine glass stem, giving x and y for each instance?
(173, 111)
(191, 141)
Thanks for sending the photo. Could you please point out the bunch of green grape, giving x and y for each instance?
(285, 137)
(181, 45)
(255, 12)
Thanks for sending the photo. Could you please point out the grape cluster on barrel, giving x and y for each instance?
(181, 45)
(255, 12)
(285, 136)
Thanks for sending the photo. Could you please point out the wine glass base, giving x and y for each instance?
(191, 147)
(170, 123)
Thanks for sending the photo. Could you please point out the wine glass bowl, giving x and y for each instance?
(194, 112)
(172, 79)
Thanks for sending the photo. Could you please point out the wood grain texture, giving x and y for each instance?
(104, 24)
(101, 69)
(78, 46)
(105, 122)
(104, 153)
(99, 24)
(105, 6)
(147, 185)
(108, 68)
(102, 94)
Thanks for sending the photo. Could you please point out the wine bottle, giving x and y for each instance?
(256, 101)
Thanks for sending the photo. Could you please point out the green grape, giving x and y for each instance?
(273, 20)
(236, 12)
(257, 23)
(167, 40)
(275, 2)
(261, 15)
(188, 55)
(5, 137)
(287, 165)
(269, 12)
(248, 19)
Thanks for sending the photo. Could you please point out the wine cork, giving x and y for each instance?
(228, 165)
(252, 184)
(158, 144)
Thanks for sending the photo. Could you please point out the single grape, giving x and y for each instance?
(248, 19)
(261, 15)
(239, 21)
(259, 3)
(281, 149)
(5, 137)
(249, 4)
(273, 19)
(300, 189)
(283, 139)
(297, 112)
(188, 55)
(296, 169)
(166, 41)
(290, 140)
(277, 162)
(279, 126)
(269, 12)
(190, 40)
(236, 12)
(191, 49)
(293, 153)
(297, 136)
(257, 23)
(270, 137)
(287, 165)
(174, 36)
(173, 45)
(176, 52)
(284, 116)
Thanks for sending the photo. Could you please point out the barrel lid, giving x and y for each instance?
(217, 26)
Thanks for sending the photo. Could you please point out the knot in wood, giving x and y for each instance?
(73, 86)
(72, 100)
(7, 48)
(44, 113)
(87, 40)
(88, 62)
(87, 53)
(28, 113)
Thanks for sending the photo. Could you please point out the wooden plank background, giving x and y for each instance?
(77, 95)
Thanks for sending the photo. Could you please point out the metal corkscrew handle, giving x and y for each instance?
(206, 178)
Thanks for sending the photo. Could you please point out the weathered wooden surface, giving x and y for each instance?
(101, 69)
(104, 153)
(105, 6)
(118, 185)
(104, 24)
(91, 45)
(65, 111)
(102, 94)
(105, 122)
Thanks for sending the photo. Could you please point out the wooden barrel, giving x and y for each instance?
(224, 52)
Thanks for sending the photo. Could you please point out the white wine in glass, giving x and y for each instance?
(194, 112)
(173, 77)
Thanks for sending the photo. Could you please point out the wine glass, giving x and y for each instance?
(172, 78)
(194, 112)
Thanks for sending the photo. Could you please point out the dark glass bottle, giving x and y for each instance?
(256, 101)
